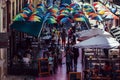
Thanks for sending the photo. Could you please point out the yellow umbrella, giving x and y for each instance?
(79, 19)
(101, 12)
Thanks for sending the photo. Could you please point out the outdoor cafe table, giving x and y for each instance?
(102, 60)
(100, 78)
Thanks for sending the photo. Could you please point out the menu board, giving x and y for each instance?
(75, 76)
(43, 66)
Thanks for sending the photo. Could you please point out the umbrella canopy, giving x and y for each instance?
(98, 42)
(19, 17)
(92, 32)
(51, 20)
(65, 20)
(79, 19)
(31, 28)
(34, 18)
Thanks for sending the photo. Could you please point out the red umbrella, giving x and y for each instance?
(60, 17)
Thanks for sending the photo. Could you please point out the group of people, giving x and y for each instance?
(106, 71)
(71, 55)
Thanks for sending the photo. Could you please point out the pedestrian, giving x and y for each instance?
(75, 57)
(51, 64)
(63, 37)
(68, 60)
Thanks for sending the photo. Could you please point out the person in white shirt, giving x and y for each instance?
(26, 60)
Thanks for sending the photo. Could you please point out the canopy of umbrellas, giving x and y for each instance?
(67, 13)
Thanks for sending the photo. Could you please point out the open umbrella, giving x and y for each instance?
(34, 18)
(99, 41)
(28, 22)
(51, 20)
(31, 28)
(65, 20)
(101, 12)
(53, 10)
(79, 19)
(19, 17)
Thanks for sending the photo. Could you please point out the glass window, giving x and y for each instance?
(13, 9)
(4, 17)
(17, 4)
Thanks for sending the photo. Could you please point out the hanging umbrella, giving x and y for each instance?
(101, 12)
(53, 10)
(38, 5)
(23, 15)
(31, 28)
(86, 6)
(89, 10)
(92, 14)
(34, 17)
(118, 12)
(19, 17)
(113, 9)
(64, 5)
(98, 18)
(27, 9)
(74, 5)
(79, 19)
(51, 21)
(41, 9)
(65, 20)
(109, 17)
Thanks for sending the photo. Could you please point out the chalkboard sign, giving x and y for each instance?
(75, 76)
(43, 66)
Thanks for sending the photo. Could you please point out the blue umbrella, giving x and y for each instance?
(65, 20)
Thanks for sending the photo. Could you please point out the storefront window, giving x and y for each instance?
(4, 17)
(13, 9)
(17, 8)
(19, 5)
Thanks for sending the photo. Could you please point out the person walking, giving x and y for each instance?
(63, 37)
(68, 60)
(75, 57)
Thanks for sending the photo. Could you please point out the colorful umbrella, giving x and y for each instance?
(51, 21)
(19, 17)
(89, 10)
(23, 15)
(113, 10)
(98, 18)
(74, 5)
(65, 20)
(92, 14)
(79, 19)
(53, 10)
(101, 12)
(64, 5)
(34, 18)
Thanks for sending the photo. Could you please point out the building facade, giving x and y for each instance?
(8, 9)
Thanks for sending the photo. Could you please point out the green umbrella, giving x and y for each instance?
(51, 21)
(31, 28)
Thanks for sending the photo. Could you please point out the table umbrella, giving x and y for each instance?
(99, 41)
